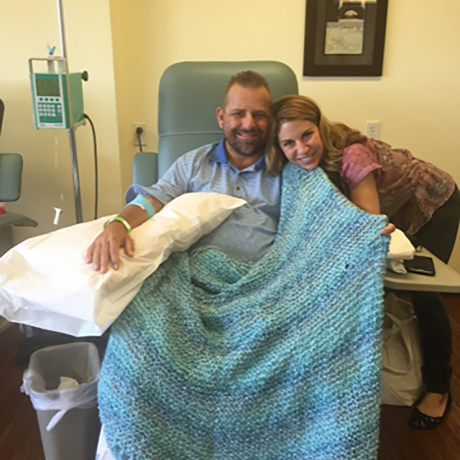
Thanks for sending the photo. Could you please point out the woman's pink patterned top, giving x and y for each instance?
(410, 190)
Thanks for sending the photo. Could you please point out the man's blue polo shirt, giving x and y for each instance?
(250, 230)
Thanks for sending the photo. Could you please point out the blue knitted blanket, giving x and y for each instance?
(280, 360)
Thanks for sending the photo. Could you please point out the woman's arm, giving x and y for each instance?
(365, 196)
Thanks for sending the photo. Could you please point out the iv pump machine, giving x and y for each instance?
(57, 96)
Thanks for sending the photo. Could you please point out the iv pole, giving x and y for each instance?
(71, 130)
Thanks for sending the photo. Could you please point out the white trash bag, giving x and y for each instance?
(402, 382)
(62, 378)
(103, 451)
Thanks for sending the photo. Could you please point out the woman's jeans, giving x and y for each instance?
(438, 236)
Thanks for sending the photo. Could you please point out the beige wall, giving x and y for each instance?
(25, 28)
(417, 100)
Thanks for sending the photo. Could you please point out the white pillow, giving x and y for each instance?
(45, 282)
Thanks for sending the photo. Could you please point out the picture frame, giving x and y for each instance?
(344, 38)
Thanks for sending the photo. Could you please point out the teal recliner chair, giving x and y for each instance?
(10, 190)
(189, 94)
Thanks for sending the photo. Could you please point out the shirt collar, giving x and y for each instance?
(219, 155)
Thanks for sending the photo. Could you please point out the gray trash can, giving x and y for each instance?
(62, 384)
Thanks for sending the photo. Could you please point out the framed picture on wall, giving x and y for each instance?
(344, 37)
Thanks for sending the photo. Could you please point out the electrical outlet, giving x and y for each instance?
(373, 129)
(143, 135)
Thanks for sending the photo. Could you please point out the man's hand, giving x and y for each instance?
(389, 229)
(106, 247)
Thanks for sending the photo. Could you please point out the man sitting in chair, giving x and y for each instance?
(235, 166)
(222, 403)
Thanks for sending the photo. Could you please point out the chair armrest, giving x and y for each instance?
(17, 220)
(145, 168)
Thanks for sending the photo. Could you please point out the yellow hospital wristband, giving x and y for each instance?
(120, 219)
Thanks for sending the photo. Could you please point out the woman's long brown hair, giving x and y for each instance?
(334, 136)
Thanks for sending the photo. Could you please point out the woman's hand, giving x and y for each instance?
(388, 230)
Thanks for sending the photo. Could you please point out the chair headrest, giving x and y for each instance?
(190, 93)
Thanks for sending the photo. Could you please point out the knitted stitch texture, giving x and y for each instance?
(279, 360)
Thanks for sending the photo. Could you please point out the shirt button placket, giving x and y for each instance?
(237, 186)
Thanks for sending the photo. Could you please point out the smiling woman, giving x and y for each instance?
(299, 131)
(301, 143)
(417, 197)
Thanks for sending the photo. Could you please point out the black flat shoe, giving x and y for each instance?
(421, 421)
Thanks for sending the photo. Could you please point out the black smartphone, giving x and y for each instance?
(421, 265)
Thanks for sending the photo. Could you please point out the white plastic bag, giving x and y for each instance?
(400, 249)
(402, 382)
(103, 451)
(45, 282)
(62, 378)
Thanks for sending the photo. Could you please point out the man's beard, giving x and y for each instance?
(246, 148)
